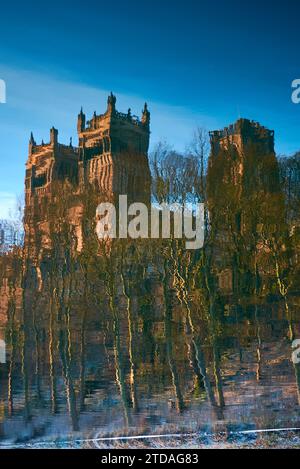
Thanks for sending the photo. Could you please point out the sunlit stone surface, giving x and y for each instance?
(146, 337)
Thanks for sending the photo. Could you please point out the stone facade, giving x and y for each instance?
(48, 163)
(249, 149)
(111, 159)
(242, 134)
(243, 191)
(111, 154)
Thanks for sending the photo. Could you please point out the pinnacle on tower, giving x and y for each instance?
(53, 136)
(32, 141)
(81, 121)
(111, 103)
(146, 115)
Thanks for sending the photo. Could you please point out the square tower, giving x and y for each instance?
(113, 150)
(240, 136)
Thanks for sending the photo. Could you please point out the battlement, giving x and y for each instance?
(115, 131)
(39, 150)
(98, 119)
(242, 133)
(42, 148)
(48, 162)
(242, 126)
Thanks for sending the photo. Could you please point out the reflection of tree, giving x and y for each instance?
(210, 306)
(52, 348)
(111, 262)
(169, 339)
(65, 349)
(132, 324)
(12, 341)
(195, 346)
(153, 302)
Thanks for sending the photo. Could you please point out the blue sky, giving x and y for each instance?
(195, 62)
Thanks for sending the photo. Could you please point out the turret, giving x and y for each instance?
(32, 143)
(53, 136)
(146, 116)
(111, 103)
(81, 122)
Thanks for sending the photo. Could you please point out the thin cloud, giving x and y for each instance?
(36, 102)
(50, 101)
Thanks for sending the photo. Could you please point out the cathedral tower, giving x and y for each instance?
(113, 149)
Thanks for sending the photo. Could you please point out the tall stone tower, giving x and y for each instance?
(240, 135)
(244, 199)
(112, 154)
(111, 159)
(113, 149)
(247, 152)
(49, 166)
(47, 163)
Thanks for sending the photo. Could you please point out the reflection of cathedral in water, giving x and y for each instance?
(111, 159)
(112, 154)
(140, 338)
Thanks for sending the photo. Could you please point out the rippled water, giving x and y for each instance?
(143, 336)
(146, 364)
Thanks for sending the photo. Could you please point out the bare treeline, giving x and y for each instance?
(180, 177)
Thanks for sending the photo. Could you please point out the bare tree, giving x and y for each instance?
(199, 149)
(176, 177)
